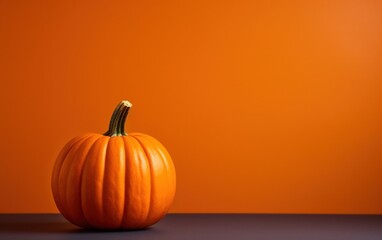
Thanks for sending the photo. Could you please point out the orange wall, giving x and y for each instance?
(265, 106)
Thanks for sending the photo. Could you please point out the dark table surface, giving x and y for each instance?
(204, 226)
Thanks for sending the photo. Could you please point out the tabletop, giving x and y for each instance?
(204, 226)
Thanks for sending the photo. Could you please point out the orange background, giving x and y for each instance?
(265, 106)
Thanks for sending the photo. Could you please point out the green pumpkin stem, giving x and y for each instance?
(118, 119)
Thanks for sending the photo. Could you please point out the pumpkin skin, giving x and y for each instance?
(115, 180)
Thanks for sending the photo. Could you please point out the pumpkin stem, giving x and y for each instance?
(118, 119)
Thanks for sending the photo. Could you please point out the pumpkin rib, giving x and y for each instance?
(114, 182)
(151, 154)
(137, 198)
(81, 179)
(62, 184)
(167, 159)
(162, 194)
(151, 176)
(126, 191)
(170, 172)
(57, 169)
(126, 185)
(91, 199)
(67, 187)
(103, 181)
(153, 141)
(74, 199)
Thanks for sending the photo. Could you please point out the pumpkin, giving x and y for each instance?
(113, 180)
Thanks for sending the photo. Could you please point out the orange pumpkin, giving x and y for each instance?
(115, 180)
